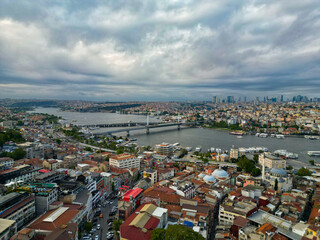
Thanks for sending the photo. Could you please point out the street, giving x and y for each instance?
(102, 232)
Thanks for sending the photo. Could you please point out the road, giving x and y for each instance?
(102, 233)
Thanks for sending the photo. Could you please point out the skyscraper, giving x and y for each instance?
(214, 99)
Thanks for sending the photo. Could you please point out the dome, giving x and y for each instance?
(220, 173)
(201, 175)
(278, 172)
(209, 178)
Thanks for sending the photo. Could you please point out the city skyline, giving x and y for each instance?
(159, 51)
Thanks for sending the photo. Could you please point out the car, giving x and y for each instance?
(92, 230)
(109, 228)
(111, 202)
(97, 237)
(98, 226)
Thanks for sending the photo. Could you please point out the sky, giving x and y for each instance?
(120, 50)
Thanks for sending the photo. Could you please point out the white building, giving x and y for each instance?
(272, 161)
(125, 161)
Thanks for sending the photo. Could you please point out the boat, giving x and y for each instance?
(286, 154)
(188, 149)
(263, 135)
(311, 137)
(272, 135)
(212, 149)
(133, 139)
(314, 153)
(257, 134)
(240, 136)
(279, 136)
(198, 149)
(236, 133)
(94, 128)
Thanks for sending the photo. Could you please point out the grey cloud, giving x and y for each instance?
(158, 50)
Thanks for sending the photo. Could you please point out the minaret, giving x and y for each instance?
(263, 167)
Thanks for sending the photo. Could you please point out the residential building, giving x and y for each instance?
(164, 149)
(19, 207)
(271, 161)
(7, 228)
(124, 161)
(151, 174)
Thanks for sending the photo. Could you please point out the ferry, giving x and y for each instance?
(237, 133)
(198, 149)
(314, 153)
(285, 153)
(188, 149)
(263, 135)
(311, 137)
(279, 136)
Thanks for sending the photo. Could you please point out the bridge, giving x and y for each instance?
(113, 125)
(134, 126)
(146, 127)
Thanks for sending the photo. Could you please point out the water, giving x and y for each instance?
(192, 137)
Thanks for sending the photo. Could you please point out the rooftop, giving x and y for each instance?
(121, 157)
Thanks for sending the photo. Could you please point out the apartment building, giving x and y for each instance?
(164, 149)
(124, 161)
(272, 161)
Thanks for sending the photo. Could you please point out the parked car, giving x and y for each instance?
(98, 226)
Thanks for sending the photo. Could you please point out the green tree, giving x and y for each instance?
(120, 150)
(158, 234)
(176, 165)
(116, 226)
(88, 226)
(107, 158)
(311, 162)
(276, 185)
(113, 187)
(256, 158)
(256, 172)
(177, 232)
(303, 172)
(58, 141)
(89, 149)
(289, 168)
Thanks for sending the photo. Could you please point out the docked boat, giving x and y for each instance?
(311, 137)
(286, 154)
(188, 149)
(237, 133)
(240, 136)
(280, 136)
(314, 153)
(263, 135)
(257, 134)
(198, 149)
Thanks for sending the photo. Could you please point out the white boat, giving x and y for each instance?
(212, 149)
(239, 136)
(198, 149)
(280, 136)
(314, 153)
(272, 135)
(285, 153)
(263, 135)
(257, 134)
(188, 149)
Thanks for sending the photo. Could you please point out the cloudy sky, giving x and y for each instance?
(158, 50)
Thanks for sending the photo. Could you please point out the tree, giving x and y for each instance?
(116, 226)
(175, 232)
(276, 185)
(303, 172)
(256, 172)
(289, 168)
(311, 162)
(107, 158)
(256, 158)
(88, 149)
(58, 141)
(120, 150)
(113, 187)
(158, 234)
(17, 154)
(88, 226)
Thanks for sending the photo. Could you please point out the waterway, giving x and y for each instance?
(192, 137)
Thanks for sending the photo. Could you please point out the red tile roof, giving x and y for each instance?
(17, 206)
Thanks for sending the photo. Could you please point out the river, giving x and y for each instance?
(192, 137)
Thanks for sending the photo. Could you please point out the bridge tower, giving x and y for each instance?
(147, 130)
